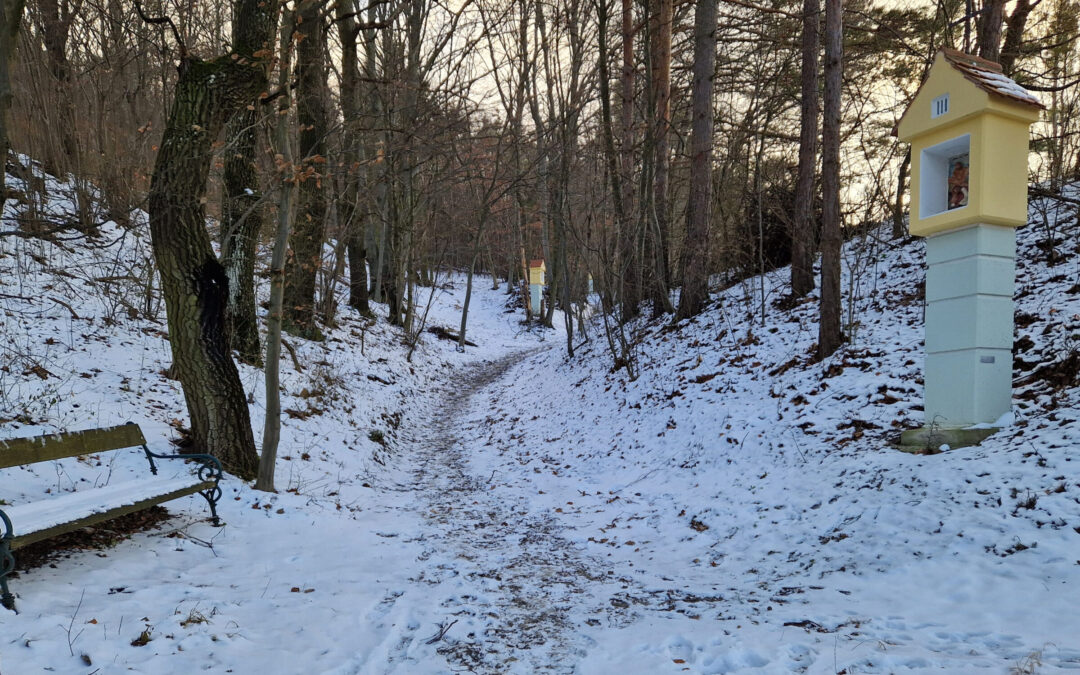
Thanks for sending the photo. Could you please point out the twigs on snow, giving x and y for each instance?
(443, 629)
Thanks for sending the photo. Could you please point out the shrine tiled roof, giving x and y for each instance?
(987, 75)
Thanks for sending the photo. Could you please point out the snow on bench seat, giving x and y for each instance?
(43, 519)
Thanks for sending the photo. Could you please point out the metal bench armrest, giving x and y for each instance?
(209, 469)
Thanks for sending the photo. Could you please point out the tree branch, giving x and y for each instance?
(159, 20)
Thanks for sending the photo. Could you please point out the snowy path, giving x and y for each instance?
(500, 571)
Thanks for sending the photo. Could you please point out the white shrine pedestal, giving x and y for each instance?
(969, 325)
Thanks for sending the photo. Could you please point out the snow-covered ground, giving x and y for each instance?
(736, 508)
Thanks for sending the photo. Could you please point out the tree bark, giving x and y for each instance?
(829, 334)
(352, 113)
(469, 279)
(56, 19)
(803, 231)
(241, 213)
(630, 261)
(988, 41)
(695, 267)
(241, 220)
(283, 140)
(898, 229)
(1014, 35)
(659, 225)
(11, 12)
(193, 281)
(306, 241)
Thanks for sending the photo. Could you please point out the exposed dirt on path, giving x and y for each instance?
(514, 580)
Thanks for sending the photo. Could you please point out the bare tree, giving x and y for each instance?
(695, 267)
(829, 334)
(241, 201)
(352, 109)
(193, 282)
(657, 217)
(307, 236)
(803, 231)
(629, 233)
(283, 141)
(11, 12)
(54, 20)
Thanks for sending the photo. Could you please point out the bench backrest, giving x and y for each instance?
(19, 451)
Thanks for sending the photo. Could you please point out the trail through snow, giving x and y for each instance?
(507, 581)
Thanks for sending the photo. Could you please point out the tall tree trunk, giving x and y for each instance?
(193, 281)
(898, 229)
(1014, 34)
(660, 227)
(56, 19)
(469, 276)
(11, 12)
(241, 220)
(306, 241)
(352, 112)
(829, 334)
(526, 67)
(402, 164)
(630, 234)
(695, 267)
(988, 41)
(803, 230)
(607, 126)
(374, 204)
(283, 141)
(241, 211)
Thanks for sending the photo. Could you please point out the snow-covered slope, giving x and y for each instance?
(86, 346)
(737, 508)
(751, 503)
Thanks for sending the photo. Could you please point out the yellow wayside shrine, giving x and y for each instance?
(536, 285)
(968, 129)
(536, 272)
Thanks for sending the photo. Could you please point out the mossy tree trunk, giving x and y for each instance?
(241, 213)
(193, 281)
(11, 12)
(306, 241)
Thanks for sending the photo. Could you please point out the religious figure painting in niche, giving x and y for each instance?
(958, 181)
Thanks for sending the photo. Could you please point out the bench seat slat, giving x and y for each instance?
(69, 512)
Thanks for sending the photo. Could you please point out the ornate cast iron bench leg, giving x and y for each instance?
(7, 564)
(212, 496)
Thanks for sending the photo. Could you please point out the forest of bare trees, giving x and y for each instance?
(649, 146)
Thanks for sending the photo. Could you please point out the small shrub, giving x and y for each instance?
(1028, 502)
(1028, 666)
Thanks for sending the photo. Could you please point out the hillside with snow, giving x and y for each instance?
(737, 508)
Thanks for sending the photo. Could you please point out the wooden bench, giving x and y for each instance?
(27, 523)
